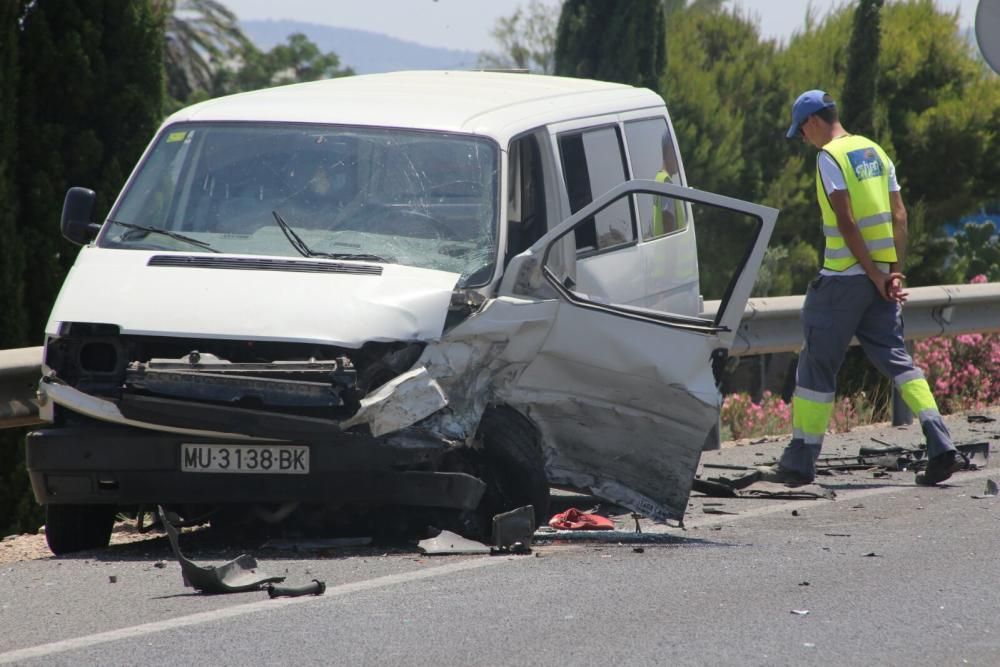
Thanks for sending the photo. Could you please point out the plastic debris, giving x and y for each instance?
(316, 587)
(992, 490)
(513, 530)
(236, 576)
(450, 543)
(800, 612)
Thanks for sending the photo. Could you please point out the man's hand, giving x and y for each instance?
(890, 286)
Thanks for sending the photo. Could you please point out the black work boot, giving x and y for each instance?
(940, 468)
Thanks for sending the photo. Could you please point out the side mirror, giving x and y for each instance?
(77, 209)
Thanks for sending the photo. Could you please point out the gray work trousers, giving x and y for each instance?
(836, 309)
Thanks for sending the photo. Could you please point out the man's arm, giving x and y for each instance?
(840, 201)
(899, 228)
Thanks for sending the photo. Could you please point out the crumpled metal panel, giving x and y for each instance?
(404, 400)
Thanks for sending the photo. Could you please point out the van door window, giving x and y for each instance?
(593, 162)
(526, 220)
(653, 154)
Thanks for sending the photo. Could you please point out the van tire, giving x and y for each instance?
(514, 470)
(70, 528)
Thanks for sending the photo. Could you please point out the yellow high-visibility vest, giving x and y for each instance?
(866, 172)
(679, 218)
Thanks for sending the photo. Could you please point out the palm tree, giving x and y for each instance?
(200, 35)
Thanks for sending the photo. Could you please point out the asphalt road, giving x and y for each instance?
(887, 573)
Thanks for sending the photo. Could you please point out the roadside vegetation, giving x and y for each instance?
(84, 83)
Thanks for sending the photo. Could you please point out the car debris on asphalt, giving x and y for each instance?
(449, 543)
(236, 576)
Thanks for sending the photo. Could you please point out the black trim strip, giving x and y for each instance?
(696, 325)
(262, 264)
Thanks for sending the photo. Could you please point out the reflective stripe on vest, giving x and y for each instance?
(866, 172)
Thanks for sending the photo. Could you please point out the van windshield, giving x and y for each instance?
(425, 199)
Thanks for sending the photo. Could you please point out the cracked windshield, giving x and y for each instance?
(420, 199)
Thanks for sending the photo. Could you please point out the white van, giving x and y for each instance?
(444, 290)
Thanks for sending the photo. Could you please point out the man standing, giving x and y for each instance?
(858, 293)
(668, 214)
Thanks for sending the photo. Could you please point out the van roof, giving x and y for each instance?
(496, 104)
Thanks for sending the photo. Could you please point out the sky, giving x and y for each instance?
(466, 24)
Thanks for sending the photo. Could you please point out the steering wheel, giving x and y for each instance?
(386, 218)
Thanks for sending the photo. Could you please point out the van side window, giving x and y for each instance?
(593, 162)
(526, 220)
(653, 153)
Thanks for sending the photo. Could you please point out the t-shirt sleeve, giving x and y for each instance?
(893, 183)
(829, 171)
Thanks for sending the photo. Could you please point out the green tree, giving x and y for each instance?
(727, 102)
(611, 41)
(527, 39)
(978, 248)
(297, 61)
(199, 37)
(18, 512)
(89, 98)
(12, 315)
(860, 87)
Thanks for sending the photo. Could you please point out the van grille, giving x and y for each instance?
(261, 264)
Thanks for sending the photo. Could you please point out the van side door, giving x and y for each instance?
(626, 396)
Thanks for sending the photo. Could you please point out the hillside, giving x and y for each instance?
(366, 52)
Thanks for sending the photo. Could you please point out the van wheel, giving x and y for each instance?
(514, 469)
(70, 528)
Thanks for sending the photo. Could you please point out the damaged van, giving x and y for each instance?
(437, 290)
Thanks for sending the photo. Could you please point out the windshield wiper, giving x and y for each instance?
(164, 232)
(306, 251)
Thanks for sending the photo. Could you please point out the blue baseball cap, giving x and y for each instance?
(806, 105)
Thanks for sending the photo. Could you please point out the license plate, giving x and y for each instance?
(273, 459)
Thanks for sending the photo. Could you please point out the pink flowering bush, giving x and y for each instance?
(963, 372)
(742, 418)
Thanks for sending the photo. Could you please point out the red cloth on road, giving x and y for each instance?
(574, 519)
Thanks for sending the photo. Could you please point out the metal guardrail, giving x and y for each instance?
(769, 324)
(19, 373)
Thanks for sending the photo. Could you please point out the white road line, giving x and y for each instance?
(243, 610)
(850, 494)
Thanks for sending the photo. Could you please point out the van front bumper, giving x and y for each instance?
(126, 466)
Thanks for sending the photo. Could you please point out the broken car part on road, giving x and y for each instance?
(237, 576)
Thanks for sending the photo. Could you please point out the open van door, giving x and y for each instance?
(626, 397)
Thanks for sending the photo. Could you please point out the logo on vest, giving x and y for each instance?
(866, 163)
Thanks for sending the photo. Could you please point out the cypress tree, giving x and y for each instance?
(86, 99)
(12, 319)
(621, 42)
(858, 103)
(17, 509)
(90, 94)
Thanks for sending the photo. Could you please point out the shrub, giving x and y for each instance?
(963, 371)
